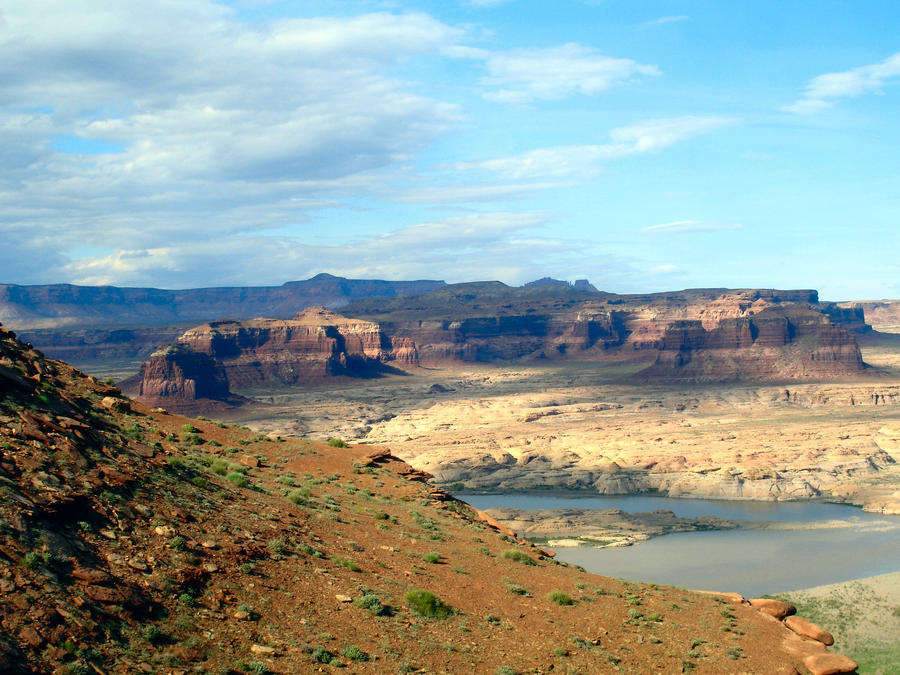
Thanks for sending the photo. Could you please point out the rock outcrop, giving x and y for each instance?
(792, 342)
(211, 360)
(700, 334)
(178, 373)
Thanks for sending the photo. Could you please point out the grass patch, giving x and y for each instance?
(560, 598)
(516, 555)
(428, 605)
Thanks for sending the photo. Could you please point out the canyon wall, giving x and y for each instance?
(705, 335)
(315, 346)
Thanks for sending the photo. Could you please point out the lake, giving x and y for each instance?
(830, 543)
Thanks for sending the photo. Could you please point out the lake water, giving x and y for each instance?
(844, 543)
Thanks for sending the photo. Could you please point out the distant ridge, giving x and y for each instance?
(68, 305)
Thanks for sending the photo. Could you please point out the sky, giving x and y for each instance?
(644, 145)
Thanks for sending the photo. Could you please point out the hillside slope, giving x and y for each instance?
(133, 540)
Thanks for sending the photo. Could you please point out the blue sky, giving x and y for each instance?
(644, 146)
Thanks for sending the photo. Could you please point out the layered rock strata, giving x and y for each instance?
(777, 343)
(211, 360)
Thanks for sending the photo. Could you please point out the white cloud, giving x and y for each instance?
(663, 20)
(824, 91)
(452, 248)
(525, 75)
(680, 226)
(226, 127)
(572, 161)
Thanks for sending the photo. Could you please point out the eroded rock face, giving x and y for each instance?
(792, 342)
(211, 360)
(176, 372)
(702, 335)
(315, 345)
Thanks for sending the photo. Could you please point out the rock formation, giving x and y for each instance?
(792, 342)
(178, 373)
(209, 361)
(702, 335)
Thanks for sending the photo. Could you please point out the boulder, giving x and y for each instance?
(775, 608)
(829, 664)
(808, 629)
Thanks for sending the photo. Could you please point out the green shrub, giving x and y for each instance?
(150, 633)
(428, 605)
(517, 555)
(298, 497)
(219, 467)
(190, 429)
(337, 443)
(518, 590)
(31, 560)
(432, 557)
(349, 564)
(177, 543)
(354, 653)
(371, 602)
(321, 655)
(560, 598)
(199, 481)
(238, 479)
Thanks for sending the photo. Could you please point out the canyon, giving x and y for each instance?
(135, 540)
(747, 394)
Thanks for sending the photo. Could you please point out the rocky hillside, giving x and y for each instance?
(132, 540)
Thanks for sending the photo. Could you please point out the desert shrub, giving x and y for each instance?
(237, 478)
(309, 550)
(432, 557)
(354, 653)
(150, 633)
(199, 481)
(337, 443)
(517, 555)
(219, 467)
(428, 605)
(349, 564)
(321, 655)
(370, 602)
(190, 429)
(298, 497)
(177, 543)
(560, 598)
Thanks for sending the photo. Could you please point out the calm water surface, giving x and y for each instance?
(751, 562)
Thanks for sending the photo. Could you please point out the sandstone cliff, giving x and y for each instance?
(778, 343)
(178, 373)
(209, 361)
